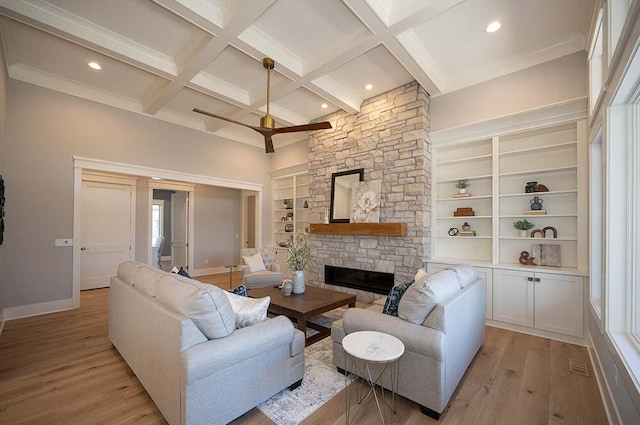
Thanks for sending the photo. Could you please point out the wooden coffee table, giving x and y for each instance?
(302, 307)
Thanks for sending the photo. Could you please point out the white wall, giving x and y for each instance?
(44, 130)
(545, 84)
(293, 154)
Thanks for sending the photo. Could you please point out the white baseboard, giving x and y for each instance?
(12, 313)
(210, 270)
(1, 320)
(608, 401)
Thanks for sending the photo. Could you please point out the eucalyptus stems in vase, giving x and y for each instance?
(299, 254)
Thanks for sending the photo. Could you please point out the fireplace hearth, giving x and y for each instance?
(364, 280)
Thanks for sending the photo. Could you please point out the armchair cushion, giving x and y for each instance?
(422, 297)
(255, 262)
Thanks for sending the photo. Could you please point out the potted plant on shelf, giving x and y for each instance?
(523, 226)
(462, 185)
(299, 254)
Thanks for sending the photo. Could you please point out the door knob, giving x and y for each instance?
(83, 248)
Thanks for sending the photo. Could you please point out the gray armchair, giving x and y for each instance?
(270, 277)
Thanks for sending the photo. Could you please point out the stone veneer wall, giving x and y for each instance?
(389, 138)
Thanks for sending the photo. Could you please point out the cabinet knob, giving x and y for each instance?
(529, 279)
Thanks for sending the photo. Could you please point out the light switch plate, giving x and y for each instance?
(64, 242)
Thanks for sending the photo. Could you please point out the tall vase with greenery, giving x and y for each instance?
(299, 254)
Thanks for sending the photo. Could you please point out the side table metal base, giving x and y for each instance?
(363, 373)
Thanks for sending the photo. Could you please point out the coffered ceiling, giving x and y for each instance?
(165, 57)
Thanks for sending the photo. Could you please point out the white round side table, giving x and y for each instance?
(365, 348)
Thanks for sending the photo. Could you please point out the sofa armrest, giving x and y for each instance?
(205, 359)
(245, 270)
(275, 267)
(416, 338)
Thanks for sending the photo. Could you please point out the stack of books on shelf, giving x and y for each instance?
(461, 195)
(464, 212)
(467, 233)
(535, 212)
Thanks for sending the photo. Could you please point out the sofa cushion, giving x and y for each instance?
(466, 274)
(422, 297)
(248, 311)
(255, 263)
(127, 271)
(146, 280)
(393, 299)
(206, 305)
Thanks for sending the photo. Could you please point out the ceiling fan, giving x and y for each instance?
(267, 123)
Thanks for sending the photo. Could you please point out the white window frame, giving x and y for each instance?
(160, 203)
(596, 227)
(622, 206)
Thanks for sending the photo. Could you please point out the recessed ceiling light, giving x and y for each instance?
(493, 26)
(94, 65)
(324, 106)
(156, 178)
(368, 87)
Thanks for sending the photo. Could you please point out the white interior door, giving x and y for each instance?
(179, 228)
(106, 232)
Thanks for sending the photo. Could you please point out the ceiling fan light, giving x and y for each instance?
(94, 65)
(493, 27)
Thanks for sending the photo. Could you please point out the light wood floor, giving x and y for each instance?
(61, 369)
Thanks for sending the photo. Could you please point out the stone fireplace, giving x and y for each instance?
(389, 138)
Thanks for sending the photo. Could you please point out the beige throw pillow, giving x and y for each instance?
(255, 262)
(249, 311)
(423, 296)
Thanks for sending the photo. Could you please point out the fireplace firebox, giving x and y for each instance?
(364, 280)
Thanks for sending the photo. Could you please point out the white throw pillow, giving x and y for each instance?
(422, 297)
(249, 311)
(421, 274)
(255, 263)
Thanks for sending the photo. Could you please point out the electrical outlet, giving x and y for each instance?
(64, 242)
(206, 261)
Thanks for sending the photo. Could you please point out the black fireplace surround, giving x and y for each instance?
(364, 280)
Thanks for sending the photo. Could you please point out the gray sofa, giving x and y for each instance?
(179, 337)
(437, 351)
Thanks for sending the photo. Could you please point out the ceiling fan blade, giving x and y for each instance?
(305, 127)
(268, 143)
(200, 111)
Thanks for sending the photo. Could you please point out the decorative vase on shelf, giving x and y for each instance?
(536, 203)
(298, 281)
(523, 233)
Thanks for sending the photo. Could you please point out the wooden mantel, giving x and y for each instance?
(363, 229)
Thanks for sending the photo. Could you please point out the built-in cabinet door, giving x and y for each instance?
(513, 297)
(558, 303)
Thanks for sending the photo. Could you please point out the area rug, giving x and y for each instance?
(320, 383)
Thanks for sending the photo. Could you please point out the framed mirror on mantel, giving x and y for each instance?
(341, 193)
